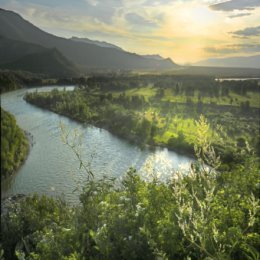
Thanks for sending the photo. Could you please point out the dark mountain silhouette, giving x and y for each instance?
(88, 56)
(17, 55)
(235, 62)
(12, 50)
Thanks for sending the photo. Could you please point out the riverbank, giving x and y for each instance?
(30, 138)
(51, 167)
(14, 145)
(143, 127)
(185, 149)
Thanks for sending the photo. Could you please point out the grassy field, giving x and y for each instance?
(232, 100)
(172, 116)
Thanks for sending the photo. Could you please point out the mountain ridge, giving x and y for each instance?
(52, 63)
(235, 62)
(96, 42)
(18, 55)
(87, 56)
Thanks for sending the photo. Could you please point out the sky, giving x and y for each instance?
(187, 31)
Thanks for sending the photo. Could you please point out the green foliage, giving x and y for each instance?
(7, 82)
(39, 227)
(163, 110)
(14, 145)
(211, 212)
(202, 214)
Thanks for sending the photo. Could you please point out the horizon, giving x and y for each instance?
(206, 29)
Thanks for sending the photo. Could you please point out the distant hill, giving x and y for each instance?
(98, 43)
(17, 55)
(86, 55)
(217, 72)
(110, 45)
(153, 56)
(235, 62)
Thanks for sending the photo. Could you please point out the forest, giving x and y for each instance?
(14, 144)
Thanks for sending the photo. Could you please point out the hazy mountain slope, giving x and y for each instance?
(86, 55)
(153, 56)
(236, 62)
(48, 61)
(110, 45)
(218, 72)
(98, 43)
(12, 50)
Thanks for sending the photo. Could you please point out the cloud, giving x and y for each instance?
(239, 15)
(138, 20)
(157, 2)
(92, 2)
(232, 5)
(231, 48)
(104, 11)
(247, 32)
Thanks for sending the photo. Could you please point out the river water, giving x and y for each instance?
(52, 168)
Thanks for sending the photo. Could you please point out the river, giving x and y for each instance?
(52, 168)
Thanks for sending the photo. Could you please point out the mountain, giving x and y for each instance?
(86, 55)
(235, 62)
(110, 45)
(217, 72)
(98, 43)
(12, 50)
(17, 55)
(153, 56)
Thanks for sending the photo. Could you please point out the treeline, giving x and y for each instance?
(115, 82)
(14, 144)
(180, 84)
(7, 82)
(201, 215)
(11, 80)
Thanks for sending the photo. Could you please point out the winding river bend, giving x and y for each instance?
(52, 168)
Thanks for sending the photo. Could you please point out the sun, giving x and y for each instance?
(198, 19)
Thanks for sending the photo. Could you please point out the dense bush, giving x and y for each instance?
(14, 144)
(202, 215)
(7, 82)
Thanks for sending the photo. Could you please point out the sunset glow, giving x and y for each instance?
(186, 31)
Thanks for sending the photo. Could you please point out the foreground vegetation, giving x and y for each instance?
(14, 144)
(161, 110)
(205, 214)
